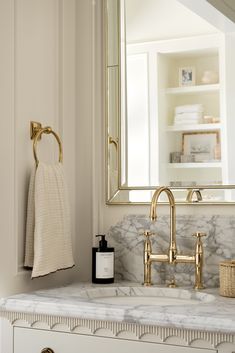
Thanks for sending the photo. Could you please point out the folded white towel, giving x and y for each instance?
(189, 108)
(193, 121)
(196, 121)
(48, 246)
(186, 122)
(188, 118)
(192, 115)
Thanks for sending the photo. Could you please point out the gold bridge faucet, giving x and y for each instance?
(172, 257)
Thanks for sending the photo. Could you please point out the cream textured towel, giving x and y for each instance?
(48, 245)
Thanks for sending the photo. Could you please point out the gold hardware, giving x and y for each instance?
(114, 141)
(47, 350)
(172, 257)
(147, 233)
(198, 260)
(153, 217)
(191, 193)
(172, 283)
(199, 234)
(36, 130)
(147, 263)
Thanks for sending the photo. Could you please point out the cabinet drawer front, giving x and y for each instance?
(34, 341)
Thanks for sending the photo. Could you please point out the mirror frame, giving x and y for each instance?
(112, 61)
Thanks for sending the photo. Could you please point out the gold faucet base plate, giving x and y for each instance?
(148, 284)
(197, 287)
(172, 285)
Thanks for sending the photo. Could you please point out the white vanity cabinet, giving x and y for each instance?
(35, 341)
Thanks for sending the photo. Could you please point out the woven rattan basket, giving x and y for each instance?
(227, 278)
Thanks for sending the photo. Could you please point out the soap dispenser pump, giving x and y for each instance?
(102, 262)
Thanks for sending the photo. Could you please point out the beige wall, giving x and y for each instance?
(47, 74)
(227, 7)
(37, 41)
(84, 126)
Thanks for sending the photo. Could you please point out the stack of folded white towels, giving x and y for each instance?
(188, 114)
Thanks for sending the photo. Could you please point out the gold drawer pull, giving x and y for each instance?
(47, 350)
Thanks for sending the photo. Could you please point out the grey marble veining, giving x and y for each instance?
(213, 313)
(127, 239)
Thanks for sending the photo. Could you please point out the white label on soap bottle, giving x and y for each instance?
(104, 265)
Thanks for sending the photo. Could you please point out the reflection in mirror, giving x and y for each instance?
(170, 108)
(184, 196)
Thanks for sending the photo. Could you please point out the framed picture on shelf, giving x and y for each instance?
(186, 76)
(202, 145)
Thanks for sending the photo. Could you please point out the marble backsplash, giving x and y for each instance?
(127, 239)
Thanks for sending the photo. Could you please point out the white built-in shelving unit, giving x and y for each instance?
(193, 89)
(202, 54)
(199, 165)
(159, 64)
(194, 127)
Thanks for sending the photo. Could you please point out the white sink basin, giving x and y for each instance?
(138, 296)
(145, 301)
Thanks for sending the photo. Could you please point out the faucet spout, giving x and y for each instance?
(153, 217)
(171, 257)
(193, 192)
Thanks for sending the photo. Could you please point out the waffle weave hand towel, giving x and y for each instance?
(48, 246)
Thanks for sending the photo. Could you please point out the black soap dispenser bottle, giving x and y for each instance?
(102, 262)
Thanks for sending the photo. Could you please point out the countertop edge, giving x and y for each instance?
(138, 330)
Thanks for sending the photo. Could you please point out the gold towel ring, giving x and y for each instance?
(46, 130)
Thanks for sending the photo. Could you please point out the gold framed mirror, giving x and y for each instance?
(169, 104)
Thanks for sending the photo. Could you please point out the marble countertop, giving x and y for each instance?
(213, 313)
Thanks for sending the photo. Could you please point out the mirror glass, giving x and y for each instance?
(170, 111)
